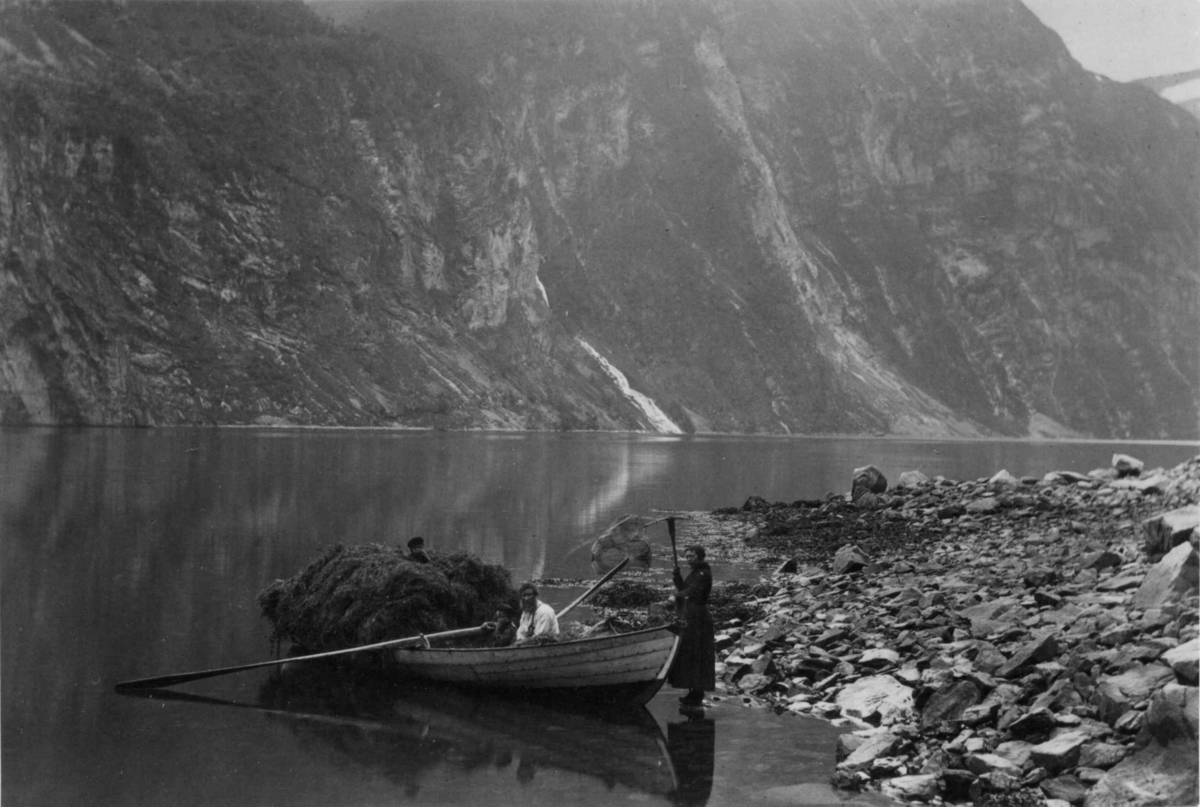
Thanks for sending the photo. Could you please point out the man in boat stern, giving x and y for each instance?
(537, 617)
(694, 668)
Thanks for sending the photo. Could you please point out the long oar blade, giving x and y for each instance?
(595, 586)
(182, 678)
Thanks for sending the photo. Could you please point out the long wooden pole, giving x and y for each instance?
(671, 532)
(595, 586)
(182, 678)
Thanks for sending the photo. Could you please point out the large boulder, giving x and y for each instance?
(1185, 661)
(1162, 770)
(625, 537)
(911, 479)
(1168, 530)
(867, 479)
(1126, 465)
(877, 699)
(1171, 579)
(1117, 694)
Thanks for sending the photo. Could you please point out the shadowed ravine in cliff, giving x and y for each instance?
(808, 217)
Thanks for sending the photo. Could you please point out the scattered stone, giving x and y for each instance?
(980, 764)
(1067, 788)
(1103, 559)
(879, 657)
(849, 559)
(871, 749)
(1060, 752)
(948, 704)
(1101, 755)
(1042, 648)
(921, 787)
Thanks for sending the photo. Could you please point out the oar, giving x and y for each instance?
(182, 678)
(595, 586)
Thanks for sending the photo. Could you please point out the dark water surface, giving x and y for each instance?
(129, 553)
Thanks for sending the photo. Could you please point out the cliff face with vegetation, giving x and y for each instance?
(892, 217)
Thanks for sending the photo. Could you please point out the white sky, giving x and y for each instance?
(1126, 39)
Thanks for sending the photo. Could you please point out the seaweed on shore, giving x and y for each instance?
(368, 593)
(736, 601)
(727, 602)
(620, 594)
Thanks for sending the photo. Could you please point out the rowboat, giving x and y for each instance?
(627, 668)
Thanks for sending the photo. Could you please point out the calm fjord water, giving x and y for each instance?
(129, 553)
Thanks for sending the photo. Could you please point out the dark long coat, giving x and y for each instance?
(695, 663)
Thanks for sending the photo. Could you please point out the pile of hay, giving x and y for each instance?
(368, 593)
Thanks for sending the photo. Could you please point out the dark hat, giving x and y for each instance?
(418, 541)
(505, 608)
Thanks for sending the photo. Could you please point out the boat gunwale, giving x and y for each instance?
(570, 643)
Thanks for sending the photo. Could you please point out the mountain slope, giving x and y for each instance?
(903, 217)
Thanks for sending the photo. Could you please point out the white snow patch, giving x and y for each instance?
(542, 291)
(658, 419)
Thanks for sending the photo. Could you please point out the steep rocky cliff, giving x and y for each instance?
(797, 216)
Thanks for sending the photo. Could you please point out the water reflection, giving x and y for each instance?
(692, 745)
(415, 736)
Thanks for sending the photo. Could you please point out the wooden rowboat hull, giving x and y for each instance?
(626, 668)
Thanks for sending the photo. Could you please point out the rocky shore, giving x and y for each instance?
(996, 641)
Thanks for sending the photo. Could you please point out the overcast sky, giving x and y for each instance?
(1126, 39)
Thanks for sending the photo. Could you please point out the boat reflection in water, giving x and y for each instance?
(472, 747)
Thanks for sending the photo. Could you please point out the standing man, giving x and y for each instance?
(537, 618)
(695, 663)
(416, 550)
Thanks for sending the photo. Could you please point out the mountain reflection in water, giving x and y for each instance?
(413, 734)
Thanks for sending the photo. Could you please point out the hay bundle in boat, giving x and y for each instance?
(369, 593)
